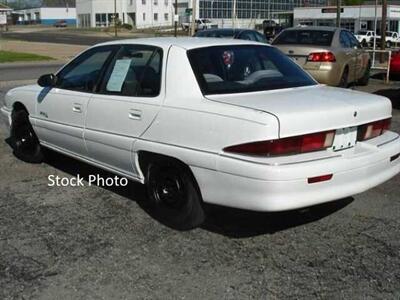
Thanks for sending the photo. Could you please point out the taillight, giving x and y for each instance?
(321, 57)
(291, 145)
(371, 130)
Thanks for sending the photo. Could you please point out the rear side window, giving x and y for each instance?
(304, 37)
(215, 33)
(248, 68)
(135, 71)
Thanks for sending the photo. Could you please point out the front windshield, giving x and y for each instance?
(247, 68)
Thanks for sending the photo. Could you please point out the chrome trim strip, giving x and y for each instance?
(387, 142)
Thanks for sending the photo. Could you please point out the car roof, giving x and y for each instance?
(183, 42)
(325, 28)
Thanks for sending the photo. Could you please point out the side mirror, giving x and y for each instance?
(48, 80)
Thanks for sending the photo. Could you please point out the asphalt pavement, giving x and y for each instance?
(57, 37)
(27, 71)
(101, 243)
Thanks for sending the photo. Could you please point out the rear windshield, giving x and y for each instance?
(304, 37)
(362, 32)
(247, 68)
(215, 33)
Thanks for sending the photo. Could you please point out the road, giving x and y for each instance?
(64, 37)
(96, 243)
(56, 37)
(26, 71)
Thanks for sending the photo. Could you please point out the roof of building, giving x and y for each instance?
(4, 7)
(58, 3)
(183, 42)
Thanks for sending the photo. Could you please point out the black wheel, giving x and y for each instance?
(173, 195)
(344, 80)
(364, 43)
(365, 79)
(24, 141)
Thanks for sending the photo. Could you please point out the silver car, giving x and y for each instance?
(331, 55)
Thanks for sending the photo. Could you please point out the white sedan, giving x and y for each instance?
(228, 122)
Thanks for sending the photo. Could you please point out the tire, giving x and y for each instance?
(344, 80)
(388, 44)
(25, 143)
(365, 79)
(364, 43)
(173, 195)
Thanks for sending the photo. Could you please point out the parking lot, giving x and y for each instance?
(96, 243)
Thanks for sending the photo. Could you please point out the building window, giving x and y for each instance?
(131, 2)
(165, 17)
(144, 16)
(101, 20)
(166, 2)
(155, 17)
(144, 2)
(155, 2)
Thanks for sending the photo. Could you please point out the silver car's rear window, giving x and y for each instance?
(245, 68)
(304, 37)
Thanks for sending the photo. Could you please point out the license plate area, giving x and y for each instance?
(301, 60)
(345, 138)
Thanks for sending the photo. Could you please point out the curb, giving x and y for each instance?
(6, 84)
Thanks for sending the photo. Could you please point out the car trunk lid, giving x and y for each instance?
(300, 53)
(314, 108)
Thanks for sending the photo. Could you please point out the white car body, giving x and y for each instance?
(111, 132)
(366, 38)
(201, 24)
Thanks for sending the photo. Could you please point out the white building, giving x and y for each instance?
(48, 13)
(353, 18)
(138, 13)
(4, 12)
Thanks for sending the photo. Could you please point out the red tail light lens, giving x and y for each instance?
(291, 145)
(321, 57)
(371, 130)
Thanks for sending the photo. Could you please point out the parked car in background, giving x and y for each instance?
(61, 23)
(244, 127)
(241, 34)
(392, 39)
(201, 24)
(365, 37)
(331, 55)
(395, 63)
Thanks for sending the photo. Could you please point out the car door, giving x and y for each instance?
(349, 54)
(127, 102)
(61, 110)
(360, 63)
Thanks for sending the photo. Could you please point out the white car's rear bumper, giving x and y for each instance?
(285, 186)
(5, 120)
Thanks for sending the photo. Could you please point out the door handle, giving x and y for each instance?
(135, 114)
(77, 108)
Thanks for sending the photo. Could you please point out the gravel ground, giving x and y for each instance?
(95, 243)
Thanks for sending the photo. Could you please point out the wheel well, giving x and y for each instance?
(146, 157)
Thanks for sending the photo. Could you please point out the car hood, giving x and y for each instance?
(315, 108)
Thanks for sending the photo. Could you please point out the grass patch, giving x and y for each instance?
(8, 56)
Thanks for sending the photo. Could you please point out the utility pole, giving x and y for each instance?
(383, 24)
(115, 18)
(193, 25)
(175, 19)
(383, 29)
(338, 10)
